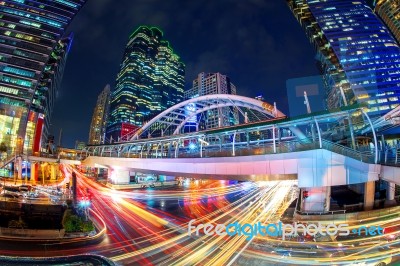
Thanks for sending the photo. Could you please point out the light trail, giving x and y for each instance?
(143, 235)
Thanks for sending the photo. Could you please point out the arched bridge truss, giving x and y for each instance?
(216, 110)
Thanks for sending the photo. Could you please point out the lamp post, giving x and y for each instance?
(18, 160)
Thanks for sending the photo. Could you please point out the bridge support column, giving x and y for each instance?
(34, 168)
(19, 162)
(390, 191)
(369, 195)
(273, 138)
(328, 199)
(53, 172)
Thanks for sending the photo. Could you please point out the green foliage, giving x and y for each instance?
(3, 147)
(74, 223)
(71, 222)
(87, 226)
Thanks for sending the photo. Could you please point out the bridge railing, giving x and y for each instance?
(254, 148)
(245, 149)
(390, 156)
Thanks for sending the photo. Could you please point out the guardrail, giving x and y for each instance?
(84, 259)
(349, 216)
(321, 213)
(390, 156)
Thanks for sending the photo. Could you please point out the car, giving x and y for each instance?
(10, 196)
(24, 188)
(392, 232)
(31, 195)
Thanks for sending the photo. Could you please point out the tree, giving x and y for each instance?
(87, 226)
(3, 147)
(75, 223)
(71, 222)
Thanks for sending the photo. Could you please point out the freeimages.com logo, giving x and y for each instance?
(280, 229)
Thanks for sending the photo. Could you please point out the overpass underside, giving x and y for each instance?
(313, 168)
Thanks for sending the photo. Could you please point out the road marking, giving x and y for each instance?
(118, 250)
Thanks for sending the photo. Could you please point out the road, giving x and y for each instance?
(150, 226)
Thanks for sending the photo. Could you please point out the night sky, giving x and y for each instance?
(257, 43)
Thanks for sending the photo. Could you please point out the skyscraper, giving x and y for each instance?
(32, 57)
(151, 80)
(214, 83)
(389, 12)
(99, 119)
(358, 57)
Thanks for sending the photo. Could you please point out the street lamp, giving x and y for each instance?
(19, 161)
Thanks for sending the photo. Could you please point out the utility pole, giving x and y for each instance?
(59, 138)
(74, 188)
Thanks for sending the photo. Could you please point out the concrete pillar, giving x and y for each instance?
(390, 191)
(53, 172)
(19, 161)
(327, 199)
(369, 195)
(33, 172)
(42, 166)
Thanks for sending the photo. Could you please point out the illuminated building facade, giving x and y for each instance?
(389, 12)
(33, 51)
(99, 119)
(358, 57)
(213, 83)
(151, 80)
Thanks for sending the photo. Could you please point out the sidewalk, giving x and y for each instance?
(18, 233)
(55, 236)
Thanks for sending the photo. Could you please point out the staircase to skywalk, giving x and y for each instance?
(363, 156)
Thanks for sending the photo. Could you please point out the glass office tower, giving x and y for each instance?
(33, 50)
(151, 80)
(357, 55)
(99, 119)
(213, 83)
(389, 12)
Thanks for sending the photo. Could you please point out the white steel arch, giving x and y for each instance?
(178, 115)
